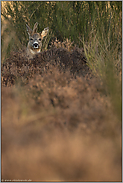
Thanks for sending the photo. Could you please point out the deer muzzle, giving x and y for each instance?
(35, 45)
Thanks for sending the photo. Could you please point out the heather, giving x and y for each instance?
(61, 110)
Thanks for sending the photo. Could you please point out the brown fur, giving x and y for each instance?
(35, 40)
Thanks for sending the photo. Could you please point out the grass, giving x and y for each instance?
(105, 62)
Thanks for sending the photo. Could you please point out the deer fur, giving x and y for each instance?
(35, 40)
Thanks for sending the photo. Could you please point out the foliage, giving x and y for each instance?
(66, 101)
(82, 19)
(94, 25)
(53, 112)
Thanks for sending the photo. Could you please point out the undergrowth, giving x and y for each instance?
(61, 110)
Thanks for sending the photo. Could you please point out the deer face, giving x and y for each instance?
(35, 39)
(35, 43)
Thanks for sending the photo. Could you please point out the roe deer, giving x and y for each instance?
(35, 40)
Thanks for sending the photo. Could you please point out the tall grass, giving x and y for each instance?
(82, 20)
(103, 53)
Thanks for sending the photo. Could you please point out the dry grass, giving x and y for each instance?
(57, 124)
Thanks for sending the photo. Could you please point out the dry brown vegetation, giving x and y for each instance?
(57, 122)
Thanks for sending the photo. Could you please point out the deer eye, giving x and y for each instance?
(39, 39)
(31, 39)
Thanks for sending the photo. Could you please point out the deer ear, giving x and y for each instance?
(35, 27)
(44, 32)
(29, 30)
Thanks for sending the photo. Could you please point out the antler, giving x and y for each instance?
(29, 30)
(35, 27)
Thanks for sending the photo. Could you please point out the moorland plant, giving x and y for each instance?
(61, 110)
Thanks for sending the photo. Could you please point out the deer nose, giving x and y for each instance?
(35, 45)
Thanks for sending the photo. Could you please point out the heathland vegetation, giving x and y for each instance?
(61, 110)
